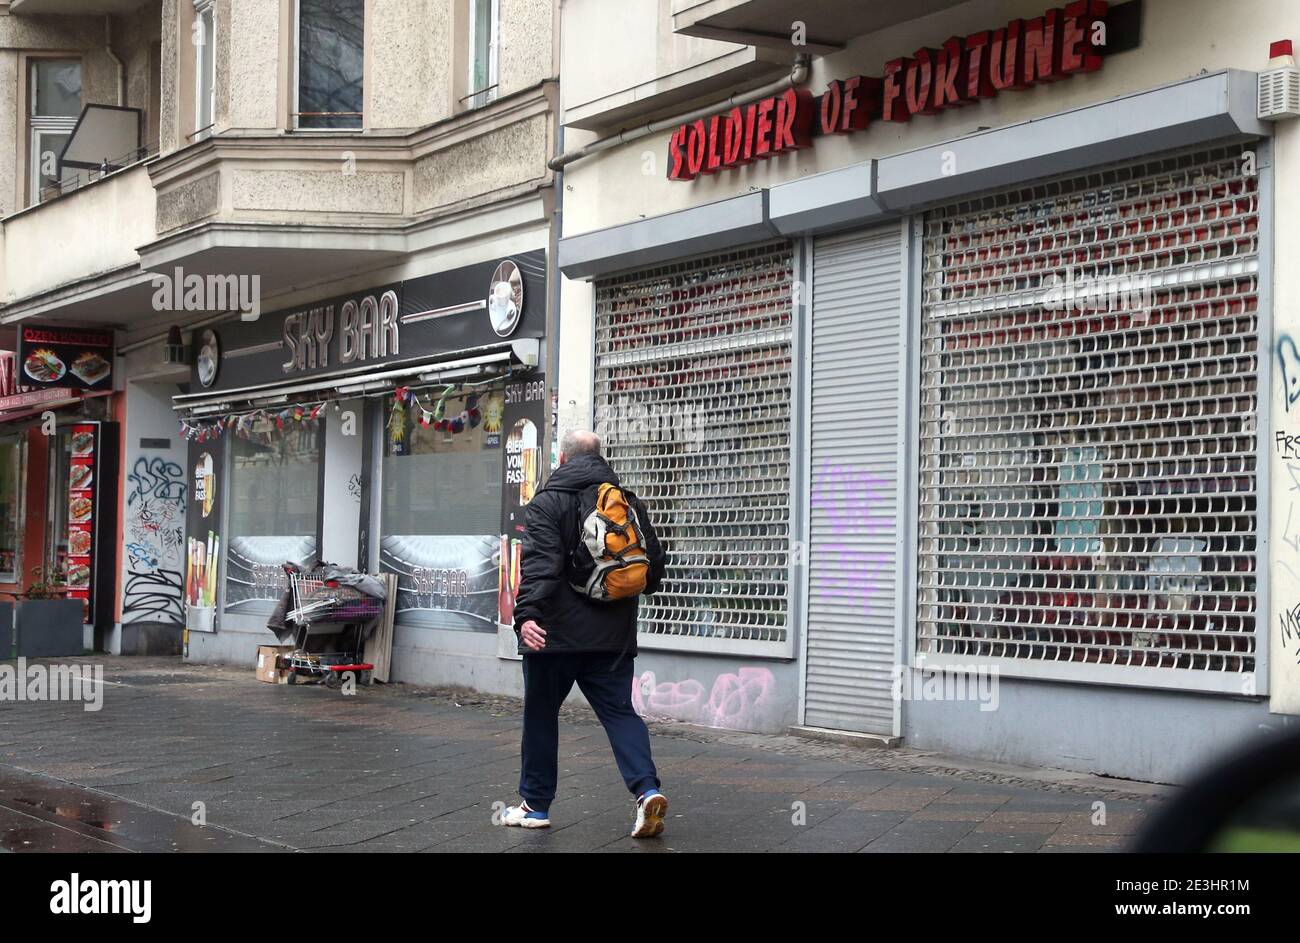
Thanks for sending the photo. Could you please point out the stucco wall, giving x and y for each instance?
(248, 64)
(494, 161)
(1283, 619)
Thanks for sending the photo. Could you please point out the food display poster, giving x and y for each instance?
(65, 357)
(203, 525)
(81, 516)
(523, 420)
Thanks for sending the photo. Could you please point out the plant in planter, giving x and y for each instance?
(47, 623)
(46, 583)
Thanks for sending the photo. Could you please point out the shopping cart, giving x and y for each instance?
(333, 617)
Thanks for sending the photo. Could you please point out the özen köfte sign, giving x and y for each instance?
(965, 69)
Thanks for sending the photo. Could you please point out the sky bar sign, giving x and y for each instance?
(964, 70)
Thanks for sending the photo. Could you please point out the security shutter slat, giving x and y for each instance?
(692, 400)
(1088, 407)
(856, 323)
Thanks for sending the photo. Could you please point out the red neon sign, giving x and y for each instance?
(962, 71)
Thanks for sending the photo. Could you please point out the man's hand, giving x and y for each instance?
(533, 635)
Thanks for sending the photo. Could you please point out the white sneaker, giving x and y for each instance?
(650, 811)
(520, 816)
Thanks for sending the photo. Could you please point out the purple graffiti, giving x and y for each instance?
(851, 500)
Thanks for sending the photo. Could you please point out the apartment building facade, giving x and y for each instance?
(949, 343)
(332, 222)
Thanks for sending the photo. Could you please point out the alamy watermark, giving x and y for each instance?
(193, 292)
(628, 421)
(1084, 293)
(40, 682)
(978, 683)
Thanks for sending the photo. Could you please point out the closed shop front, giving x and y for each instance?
(856, 438)
(693, 402)
(1089, 402)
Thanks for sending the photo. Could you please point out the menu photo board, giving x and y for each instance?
(81, 515)
(68, 358)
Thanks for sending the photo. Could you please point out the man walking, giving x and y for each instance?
(578, 624)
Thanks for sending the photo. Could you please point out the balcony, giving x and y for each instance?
(293, 209)
(73, 7)
(75, 255)
(767, 23)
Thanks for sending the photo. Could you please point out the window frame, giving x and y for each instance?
(296, 90)
(19, 441)
(479, 97)
(205, 69)
(39, 125)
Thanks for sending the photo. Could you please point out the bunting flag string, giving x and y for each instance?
(406, 400)
(255, 424)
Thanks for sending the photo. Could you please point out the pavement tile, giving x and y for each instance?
(400, 770)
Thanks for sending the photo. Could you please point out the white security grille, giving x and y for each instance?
(692, 398)
(1089, 364)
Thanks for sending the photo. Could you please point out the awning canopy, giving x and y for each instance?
(105, 136)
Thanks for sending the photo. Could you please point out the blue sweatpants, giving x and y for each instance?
(548, 679)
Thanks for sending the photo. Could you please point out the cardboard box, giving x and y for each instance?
(268, 663)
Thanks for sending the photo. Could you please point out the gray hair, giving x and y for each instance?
(580, 442)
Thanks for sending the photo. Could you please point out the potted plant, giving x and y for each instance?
(47, 624)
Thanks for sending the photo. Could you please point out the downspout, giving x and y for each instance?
(121, 67)
(798, 75)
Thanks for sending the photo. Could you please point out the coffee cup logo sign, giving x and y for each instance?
(962, 71)
(367, 329)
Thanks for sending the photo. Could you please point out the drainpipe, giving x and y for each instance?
(798, 75)
(121, 67)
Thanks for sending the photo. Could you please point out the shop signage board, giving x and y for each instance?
(959, 72)
(388, 325)
(69, 358)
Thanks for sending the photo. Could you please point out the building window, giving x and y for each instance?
(440, 526)
(692, 400)
(274, 511)
(484, 30)
(205, 65)
(331, 54)
(1088, 410)
(54, 92)
(11, 508)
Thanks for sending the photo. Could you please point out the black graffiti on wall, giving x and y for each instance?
(155, 531)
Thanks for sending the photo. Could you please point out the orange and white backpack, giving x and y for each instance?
(609, 561)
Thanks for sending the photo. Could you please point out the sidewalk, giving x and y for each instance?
(396, 768)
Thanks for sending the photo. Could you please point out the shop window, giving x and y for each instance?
(331, 54)
(274, 502)
(11, 508)
(484, 29)
(205, 66)
(54, 92)
(442, 507)
(692, 400)
(1088, 413)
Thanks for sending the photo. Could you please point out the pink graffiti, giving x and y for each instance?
(737, 701)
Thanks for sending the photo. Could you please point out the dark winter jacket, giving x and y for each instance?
(572, 621)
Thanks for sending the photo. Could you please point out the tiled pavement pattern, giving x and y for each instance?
(395, 768)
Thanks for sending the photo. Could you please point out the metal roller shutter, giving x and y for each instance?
(856, 323)
(1088, 413)
(692, 399)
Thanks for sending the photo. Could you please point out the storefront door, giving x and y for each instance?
(852, 624)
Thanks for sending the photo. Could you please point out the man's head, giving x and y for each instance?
(579, 442)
